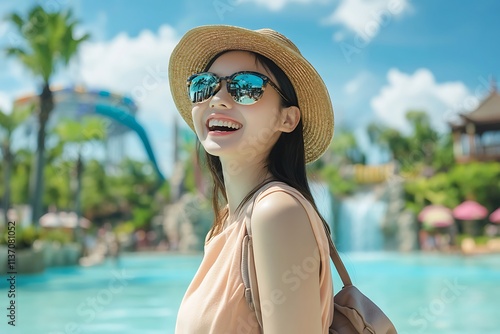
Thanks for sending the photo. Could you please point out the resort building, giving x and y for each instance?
(476, 137)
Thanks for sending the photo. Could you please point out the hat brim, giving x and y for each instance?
(201, 44)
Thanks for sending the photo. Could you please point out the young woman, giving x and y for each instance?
(261, 112)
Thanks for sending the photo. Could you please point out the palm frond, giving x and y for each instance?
(15, 51)
(16, 20)
(49, 38)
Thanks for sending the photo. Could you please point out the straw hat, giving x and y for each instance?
(201, 44)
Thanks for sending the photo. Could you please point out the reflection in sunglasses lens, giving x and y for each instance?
(202, 87)
(246, 88)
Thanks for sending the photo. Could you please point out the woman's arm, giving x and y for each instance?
(287, 266)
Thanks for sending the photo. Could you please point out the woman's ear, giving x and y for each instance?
(290, 118)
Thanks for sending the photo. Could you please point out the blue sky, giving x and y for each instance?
(379, 58)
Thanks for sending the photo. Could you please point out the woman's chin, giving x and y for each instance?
(217, 150)
(216, 147)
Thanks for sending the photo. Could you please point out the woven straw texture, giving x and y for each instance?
(201, 44)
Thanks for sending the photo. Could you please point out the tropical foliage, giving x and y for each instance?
(128, 193)
(474, 181)
(423, 149)
(426, 162)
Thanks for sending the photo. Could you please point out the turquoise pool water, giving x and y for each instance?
(421, 293)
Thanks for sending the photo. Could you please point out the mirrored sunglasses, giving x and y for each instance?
(244, 87)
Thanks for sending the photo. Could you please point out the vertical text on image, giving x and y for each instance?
(11, 273)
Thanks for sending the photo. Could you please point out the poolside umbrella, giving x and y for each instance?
(50, 219)
(63, 219)
(436, 216)
(495, 216)
(470, 210)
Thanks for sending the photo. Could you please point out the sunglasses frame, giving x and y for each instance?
(266, 80)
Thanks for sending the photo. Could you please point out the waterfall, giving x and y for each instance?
(355, 221)
(357, 224)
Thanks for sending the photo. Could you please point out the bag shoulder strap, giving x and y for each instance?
(248, 266)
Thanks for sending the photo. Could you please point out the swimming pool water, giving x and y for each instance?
(421, 293)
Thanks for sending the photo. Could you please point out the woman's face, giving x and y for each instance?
(258, 123)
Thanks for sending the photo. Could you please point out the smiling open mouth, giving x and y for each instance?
(222, 126)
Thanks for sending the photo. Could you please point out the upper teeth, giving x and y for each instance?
(229, 124)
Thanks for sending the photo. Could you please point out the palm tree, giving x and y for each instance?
(49, 42)
(9, 122)
(80, 132)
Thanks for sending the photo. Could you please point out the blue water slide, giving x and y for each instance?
(129, 121)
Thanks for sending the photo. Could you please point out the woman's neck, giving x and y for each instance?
(240, 181)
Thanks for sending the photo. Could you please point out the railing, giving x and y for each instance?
(483, 153)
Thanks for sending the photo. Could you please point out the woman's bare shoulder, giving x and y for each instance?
(277, 204)
(281, 217)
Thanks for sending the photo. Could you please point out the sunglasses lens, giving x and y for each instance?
(202, 87)
(246, 88)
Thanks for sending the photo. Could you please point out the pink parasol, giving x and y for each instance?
(495, 216)
(470, 210)
(436, 216)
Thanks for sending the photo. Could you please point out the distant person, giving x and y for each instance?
(261, 112)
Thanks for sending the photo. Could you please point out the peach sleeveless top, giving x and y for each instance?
(215, 302)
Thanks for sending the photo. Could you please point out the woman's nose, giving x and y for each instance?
(222, 99)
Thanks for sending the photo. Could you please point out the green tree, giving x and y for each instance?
(423, 148)
(49, 41)
(79, 133)
(9, 123)
(133, 194)
(392, 140)
(476, 181)
(23, 161)
(444, 158)
(344, 151)
(96, 199)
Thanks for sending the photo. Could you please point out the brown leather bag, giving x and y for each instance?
(353, 311)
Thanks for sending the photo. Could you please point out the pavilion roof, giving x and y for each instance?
(487, 112)
(486, 117)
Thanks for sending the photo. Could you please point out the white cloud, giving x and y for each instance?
(134, 66)
(366, 17)
(277, 5)
(418, 91)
